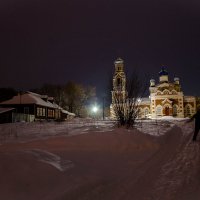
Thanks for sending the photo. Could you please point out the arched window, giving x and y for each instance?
(165, 92)
(159, 110)
(188, 109)
(118, 82)
(167, 110)
(146, 112)
(175, 110)
(158, 93)
(174, 92)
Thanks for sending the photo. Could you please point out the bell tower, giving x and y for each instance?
(119, 82)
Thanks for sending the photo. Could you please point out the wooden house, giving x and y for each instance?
(31, 107)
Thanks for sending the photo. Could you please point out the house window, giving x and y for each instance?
(39, 112)
(26, 110)
(50, 113)
(43, 112)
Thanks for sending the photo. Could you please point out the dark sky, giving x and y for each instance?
(54, 41)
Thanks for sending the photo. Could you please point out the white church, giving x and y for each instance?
(165, 99)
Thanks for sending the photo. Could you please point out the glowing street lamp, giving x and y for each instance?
(95, 109)
(139, 100)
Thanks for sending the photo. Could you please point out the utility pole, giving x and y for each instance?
(103, 107)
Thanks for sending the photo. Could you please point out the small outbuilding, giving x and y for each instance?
(6, 115)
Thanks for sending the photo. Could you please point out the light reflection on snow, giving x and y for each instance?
(51, 159)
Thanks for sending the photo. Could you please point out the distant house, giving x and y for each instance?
(6, 115)
(31, 107)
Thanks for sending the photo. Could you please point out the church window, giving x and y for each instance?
(146, 112)
(188, 110)
(118, 82)
(159, 110)
(175, 110)
(166, 92)
(174, 92)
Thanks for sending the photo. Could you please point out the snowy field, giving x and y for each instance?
(87, 159)
(22, 132)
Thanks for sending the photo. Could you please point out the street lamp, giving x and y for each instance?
(94, 109)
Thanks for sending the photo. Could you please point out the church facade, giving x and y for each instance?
(165, 99)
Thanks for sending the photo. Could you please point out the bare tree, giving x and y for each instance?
(125, 104)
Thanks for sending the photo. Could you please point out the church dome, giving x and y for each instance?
(163, 72)
(119, 60)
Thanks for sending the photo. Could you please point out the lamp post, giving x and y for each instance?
(103, 108)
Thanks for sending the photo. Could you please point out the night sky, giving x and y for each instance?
(54, 41)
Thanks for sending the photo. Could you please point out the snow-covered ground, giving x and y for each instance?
(86, 159)
(28, 131)
(21, 132)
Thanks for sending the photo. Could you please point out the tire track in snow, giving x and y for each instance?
(51, 159)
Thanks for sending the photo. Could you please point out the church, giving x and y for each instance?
(165, 99)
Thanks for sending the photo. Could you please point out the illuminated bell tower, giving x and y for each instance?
(119, 82)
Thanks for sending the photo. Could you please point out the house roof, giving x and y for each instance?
(34, 98)
(66, 112)
(3, 110)
(28, 98)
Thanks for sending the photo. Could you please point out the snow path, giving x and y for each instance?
(51, 159)
(181, 169)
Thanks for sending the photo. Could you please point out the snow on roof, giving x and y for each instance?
(28, 98)
(3, 110)
(62, 110)
(188, 97)
(34, 98)
(145, 101)
(66, 112)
